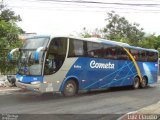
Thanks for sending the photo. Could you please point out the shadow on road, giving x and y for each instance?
(25, 96)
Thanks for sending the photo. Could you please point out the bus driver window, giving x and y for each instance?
(50, 64)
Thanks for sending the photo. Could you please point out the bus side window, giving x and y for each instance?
(142, 55)
(107, 53)
(110, 52)
(94, 50)
(114, 53)
(98, 50)
(76, 48)
(152, 57)
(90, 51)
(134, 53)
(122, 55)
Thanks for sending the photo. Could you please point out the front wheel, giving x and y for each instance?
(136, 83)
(70, 88)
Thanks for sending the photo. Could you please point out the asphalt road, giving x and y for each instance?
(114, 101)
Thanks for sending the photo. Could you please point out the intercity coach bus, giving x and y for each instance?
(69, 65)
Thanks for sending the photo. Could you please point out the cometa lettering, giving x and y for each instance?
(93, 64)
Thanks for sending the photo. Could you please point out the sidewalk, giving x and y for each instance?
(151, 112)
(5, 85)
(152, 109)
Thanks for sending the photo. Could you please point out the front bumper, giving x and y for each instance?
(31, 87)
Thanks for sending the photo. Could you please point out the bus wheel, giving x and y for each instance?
(136, 83)
(70, 88)
(144, 82)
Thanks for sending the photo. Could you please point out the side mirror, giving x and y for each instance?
(10, 55)
(36, 55)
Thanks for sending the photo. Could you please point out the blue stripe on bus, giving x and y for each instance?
(121, 79)
(122, 74)
(101, 79)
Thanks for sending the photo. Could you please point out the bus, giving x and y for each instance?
(69, 65)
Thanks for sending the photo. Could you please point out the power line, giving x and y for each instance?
(95, 2)
(85, 10)
(85, 7)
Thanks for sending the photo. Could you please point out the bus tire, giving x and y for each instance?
(136, 83)
(144, 82)
(70, 88)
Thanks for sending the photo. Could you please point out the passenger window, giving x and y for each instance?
(122, 54)
(110, 52)
(142, 55)
(106, 50)
(134, 53)
(94, 50)
(76, 48)
(152, 57)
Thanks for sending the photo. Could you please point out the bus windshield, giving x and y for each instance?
(27, 64)
(34, 43)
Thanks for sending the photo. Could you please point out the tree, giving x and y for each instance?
(151, 41)
(9, 32)
(118, 28)
(156, 42)
(96, 33)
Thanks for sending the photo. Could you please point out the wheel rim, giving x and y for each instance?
(144, 82)
(70, 88)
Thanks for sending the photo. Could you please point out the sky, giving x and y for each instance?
(65, 17)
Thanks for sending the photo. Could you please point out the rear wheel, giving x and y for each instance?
(136, 83)
(144, 82)
(70, 88)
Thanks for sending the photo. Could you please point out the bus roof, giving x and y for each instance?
(108, 42)
(118, 44)
(100, 40)
(146, 49)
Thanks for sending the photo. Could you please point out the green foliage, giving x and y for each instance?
(9, 39)
(85, 33)
(151, 41)
(148, 42)
(8, 15)
(118, 28)
(96, 33)
(156, 42)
